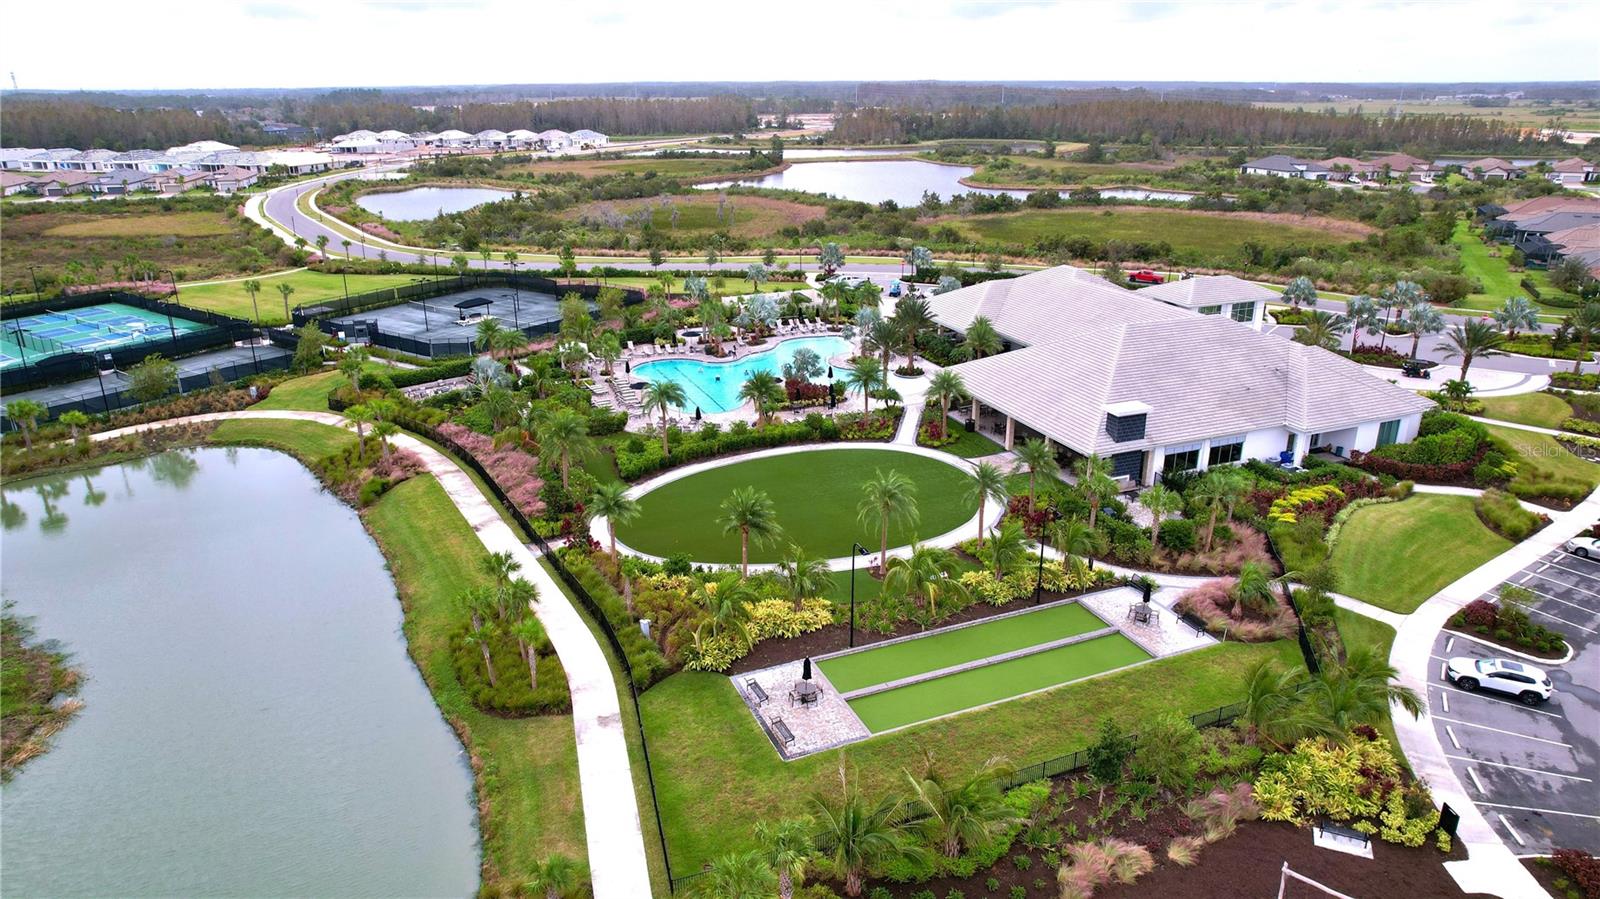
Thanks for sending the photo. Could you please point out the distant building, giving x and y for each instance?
(285, 131)
(1574, 171)
(1281, 166)
(1238, 299)
(555, 140)
(1491, 168)
(489, 139)
(583, 137)
(120, 182)
(521, 139)
(1401, 165)
(453, 139)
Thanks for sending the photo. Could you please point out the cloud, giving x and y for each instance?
(989, 9)
(276, 11)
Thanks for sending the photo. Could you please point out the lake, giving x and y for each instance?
(420, 203)
(253, 724)
(788, 152)
(902, 180)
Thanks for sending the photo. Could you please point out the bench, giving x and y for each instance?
(782, 731)
(756, 693)
(1343, 839)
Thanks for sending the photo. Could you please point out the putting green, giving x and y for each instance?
(955, 647)
(815, 495)
(992, 683)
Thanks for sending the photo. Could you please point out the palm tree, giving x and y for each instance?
(764, 390)
(946, 387)
(1038, 457)
(924, 577)
(726, 602)
(566, 435)
(965, 814)
(253, 287)
(749, 513)
(853, 836)
(663, 396)
(360, 415)
(988, 483)
(75, 420)
(1322, 329)
(384, 430)
(529, 633)
(350, 364)
(1007, 548)
(911, 317)
(558, 877)
(1073, 539)
(982, 339)
(1210, 493)
(1161, 502)
(500, 568)
(888, 494)
(613, 503)
(26, 415)
(803, 577)
(866, 375)
(1422, 319)
(1272, 705)
(1095, 483)
(501, 405)
(481, 635)
(1471, 340)
(322, 245)
(737, 875)
(786, 846)
(1364, 315)
(1253, 587)
(488, 336)
(285, 290)
(1516, 314)
(881, 337)
(609, 349)
(1367, 682)
(1585, 323)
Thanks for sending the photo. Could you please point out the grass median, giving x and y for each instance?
(1396, 555)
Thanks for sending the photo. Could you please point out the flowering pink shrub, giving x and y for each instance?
(1213, 603)
(513, 469)
(400, 465)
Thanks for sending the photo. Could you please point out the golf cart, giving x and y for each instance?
(1418, 368)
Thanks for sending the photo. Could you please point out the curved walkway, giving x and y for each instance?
(615, 841)
(991, 511)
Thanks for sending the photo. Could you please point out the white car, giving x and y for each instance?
(1528, 684)
(1583, 547)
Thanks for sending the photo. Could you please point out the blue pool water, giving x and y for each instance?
(714, 386)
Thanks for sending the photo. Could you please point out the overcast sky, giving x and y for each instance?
(161, 44)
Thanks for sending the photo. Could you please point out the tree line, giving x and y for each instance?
(1182, 122)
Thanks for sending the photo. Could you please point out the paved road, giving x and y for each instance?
(1534, 773)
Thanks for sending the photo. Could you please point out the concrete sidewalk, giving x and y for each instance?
(615, 840)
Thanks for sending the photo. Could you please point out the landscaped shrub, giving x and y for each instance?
(512, 693)
(1508, 623)
(1572, 381)
(1581, 867)
(708, 442)
(1178, 535)
(644, 656)
(1503, 514)
(1448, 449)
(1324, 498)
(768, 618)
(1214, 603)
(1360, 783)
(512, 468)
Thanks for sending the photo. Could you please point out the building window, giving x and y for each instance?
(1210, 310)
(1244, 312)
(1225, 453)
(1183, 460)
(1389, 432)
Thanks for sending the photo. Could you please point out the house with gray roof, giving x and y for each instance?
(1238, 299)
(1156, 388)
(1281, 166)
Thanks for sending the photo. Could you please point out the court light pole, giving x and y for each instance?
(105, 402)
(174, 281)
(35, 276)
(425, 325)
(171, 328)
(856, 549)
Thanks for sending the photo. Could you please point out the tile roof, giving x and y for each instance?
(1208, 290)
(1281, 163)
(1573, 164)
(1582, 237)
(1399, 161)
(1525, 209)
(1045, 306)
(1557, 221)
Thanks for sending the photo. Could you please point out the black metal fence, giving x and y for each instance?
(1307, 651)
(1077, 761)
(111, 397)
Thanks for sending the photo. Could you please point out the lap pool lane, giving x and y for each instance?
(980, 685)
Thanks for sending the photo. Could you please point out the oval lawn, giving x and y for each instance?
(816, 495)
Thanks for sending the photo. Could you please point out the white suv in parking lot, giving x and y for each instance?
(1587, 547)
(1527, 683)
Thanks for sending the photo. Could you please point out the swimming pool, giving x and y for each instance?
(714, 386)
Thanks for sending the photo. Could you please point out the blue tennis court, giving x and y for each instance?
(107, 326)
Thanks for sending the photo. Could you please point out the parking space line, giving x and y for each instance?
(1444, 700)
(1450, 732)
(1499, 731)
(1438, 658)
(1449, 644)
(1442, 688)
(1569, 587)
(1473, 773)
(1442, 667)
(1545, 565)
(1589, 575)
(1464, 758)
(1514, 835)
(1537, 611)
(1541, 811)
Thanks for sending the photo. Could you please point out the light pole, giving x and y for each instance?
(171, 328)
(856, 549)
(425, 325)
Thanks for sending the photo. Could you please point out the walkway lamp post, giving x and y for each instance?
(856, 550)
(1038, 582)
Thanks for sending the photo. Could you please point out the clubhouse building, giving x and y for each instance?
(1157, 387)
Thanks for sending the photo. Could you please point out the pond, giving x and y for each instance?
(902, 180)
(253, 724)
(788, 152)
(420, 203)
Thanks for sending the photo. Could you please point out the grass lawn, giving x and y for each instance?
(958, 646)
(528, 787)
(742, 216)
(709, 753)
(1480, 260)
(815, 495)
(309, 393)
(994, 683)
(1541, 460)
(306, 440)
(733, 284)
(968, 445)
(1396, 555)
(1359, 630)
(1204, 232)
(869, 587)
(1539, 409)
(229, 297)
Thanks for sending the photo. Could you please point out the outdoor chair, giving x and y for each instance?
(756, 692)
(1140, 612)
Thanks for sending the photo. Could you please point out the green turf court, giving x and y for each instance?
(957, 646)
(992, 683)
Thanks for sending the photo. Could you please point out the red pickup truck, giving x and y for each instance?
(1146, 277)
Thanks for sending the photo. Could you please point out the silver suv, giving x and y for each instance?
(1529, 684)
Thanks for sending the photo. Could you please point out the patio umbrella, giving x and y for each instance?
(627, 366)
(696, 413)
(830, 373)
(805, 669)
(1146, 587)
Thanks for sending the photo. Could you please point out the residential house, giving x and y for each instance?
(489, 139)
(1348, 168)
(1490, 168)
(202, 147)
(1156, 390)
(392, 141)
(89, 161)
(63, 183)
(555, 140)
(230, 179)
(12, 183)
(1404, 167)
(583, 137)
(1281, 166)
(177, 181)
(521, 139)
(1238, 299)
(354, 146)
(360, 134)
(422, 138)
(1574, 170)
(285, 131)
(120, 182)
(453, 139)
(133, 160)
(20, 159)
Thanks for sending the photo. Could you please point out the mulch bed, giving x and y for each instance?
(834, 637)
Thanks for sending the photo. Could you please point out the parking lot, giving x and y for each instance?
(1533, 771)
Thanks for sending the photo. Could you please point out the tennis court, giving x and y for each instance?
(90, 329)
(992, 683)
(453, 318)
(957, 646)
